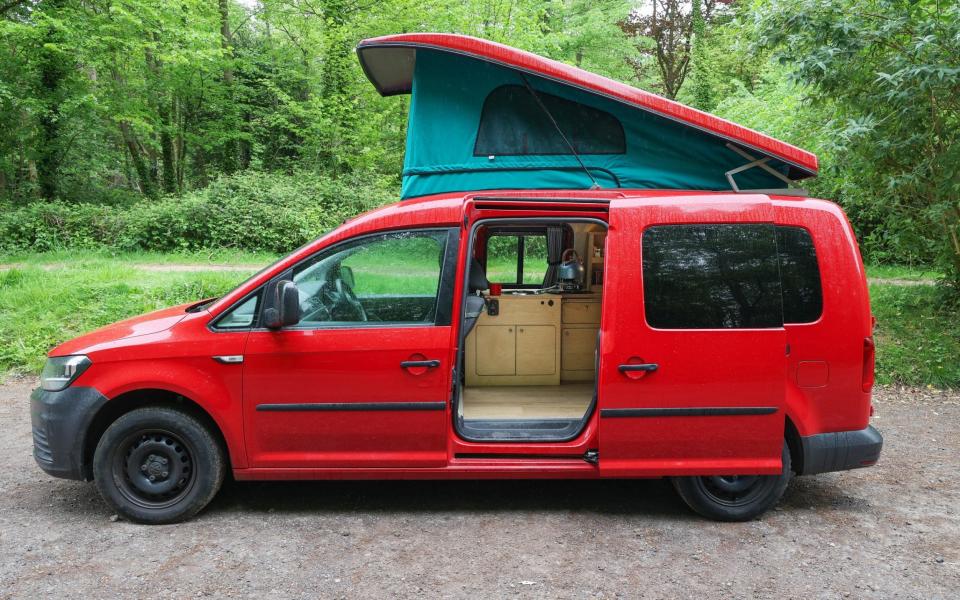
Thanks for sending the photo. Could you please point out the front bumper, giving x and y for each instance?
(60, 423)
(841, 450)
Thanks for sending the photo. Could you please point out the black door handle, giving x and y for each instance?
(407, 364)
(648, 367)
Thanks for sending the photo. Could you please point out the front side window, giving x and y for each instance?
(517, 259)
(711, 277)
(392, 279)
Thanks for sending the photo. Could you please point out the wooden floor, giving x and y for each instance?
(565, 401)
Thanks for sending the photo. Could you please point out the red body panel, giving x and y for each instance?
(346, 366)
(172, 350)
(538, 65)
(709, 368)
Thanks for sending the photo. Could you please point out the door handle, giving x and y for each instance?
(646, 367)
(408, 364)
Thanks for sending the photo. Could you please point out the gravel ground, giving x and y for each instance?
(892, 531)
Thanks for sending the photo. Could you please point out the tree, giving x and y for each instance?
(891, 69)
(663, 31)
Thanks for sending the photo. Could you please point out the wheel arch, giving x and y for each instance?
(131, 400)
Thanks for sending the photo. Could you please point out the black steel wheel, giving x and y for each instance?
(734, 497)
(158, 465)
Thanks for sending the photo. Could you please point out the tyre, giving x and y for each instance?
(734, 498)
(158, 465)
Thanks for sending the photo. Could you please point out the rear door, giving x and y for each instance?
(693, 347)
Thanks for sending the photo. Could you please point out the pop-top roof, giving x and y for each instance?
(488, 116)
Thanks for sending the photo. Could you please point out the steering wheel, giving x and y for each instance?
(340, 302)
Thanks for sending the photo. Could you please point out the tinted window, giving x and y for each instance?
(513, 123)
(711, 276)
(393, 278)
(517, 259)
(800, 276)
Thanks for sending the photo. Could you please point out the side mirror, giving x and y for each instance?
(282, 306)
(346, 276)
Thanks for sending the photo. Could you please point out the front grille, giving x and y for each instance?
(41, 448)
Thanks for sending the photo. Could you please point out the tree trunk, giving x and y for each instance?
(140, 165)
(228, 159)
(168, 154)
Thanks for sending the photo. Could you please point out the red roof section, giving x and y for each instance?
(562, 73)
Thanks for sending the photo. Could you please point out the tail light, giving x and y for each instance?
(869, 362)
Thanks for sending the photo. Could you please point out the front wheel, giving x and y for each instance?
(733, 497)
(158, 465)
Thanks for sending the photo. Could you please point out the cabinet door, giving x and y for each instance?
(577, 348)
(581, 312)
(536, 351)
(496, 350)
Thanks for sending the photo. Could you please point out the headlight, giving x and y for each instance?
(60, 371)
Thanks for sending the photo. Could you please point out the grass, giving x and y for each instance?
(50, 298)
(917, 337)
(40, 307)
(900, 272)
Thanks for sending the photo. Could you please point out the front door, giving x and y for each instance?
(363, 380)
(693, 351)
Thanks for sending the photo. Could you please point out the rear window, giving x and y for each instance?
(800, 275)
(722, 276)
(512, 123)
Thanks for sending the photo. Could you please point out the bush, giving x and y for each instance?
(250, 211)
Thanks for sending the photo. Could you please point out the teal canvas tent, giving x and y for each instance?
(486, 117)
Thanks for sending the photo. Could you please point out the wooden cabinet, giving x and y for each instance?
(534, 340)
(581, 311)
(496, 350)
(536, 350)
(578, 349)
(578, 340)
(520, 345)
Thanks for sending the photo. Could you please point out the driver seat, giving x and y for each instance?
(475, 302)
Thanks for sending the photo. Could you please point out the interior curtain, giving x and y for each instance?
(554, 252)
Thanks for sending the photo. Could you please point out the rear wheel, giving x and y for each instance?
(734, 497)
(158, 465)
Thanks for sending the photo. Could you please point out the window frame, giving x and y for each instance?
(521, 234)
(643, 278)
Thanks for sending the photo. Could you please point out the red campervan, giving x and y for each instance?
(639, 291)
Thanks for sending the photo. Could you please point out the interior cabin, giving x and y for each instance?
(530, 349)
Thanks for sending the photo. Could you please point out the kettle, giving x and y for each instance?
(570, 272)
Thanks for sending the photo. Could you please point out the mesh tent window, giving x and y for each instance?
(512, 123)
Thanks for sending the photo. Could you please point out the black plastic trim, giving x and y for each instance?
(352, 406)
(60, 422)
(729, 411)
(646, 367)
(407, 364)
(840, 450)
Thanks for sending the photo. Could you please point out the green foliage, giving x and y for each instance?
(889, 72)
(917, 336)
(250, 211)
